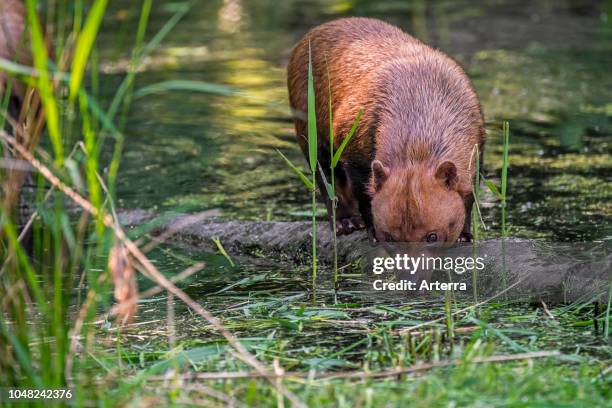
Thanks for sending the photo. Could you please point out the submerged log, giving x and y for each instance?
(557, 272)
(280, 239)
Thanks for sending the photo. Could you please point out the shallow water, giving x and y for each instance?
(543, 66)
(267, 306)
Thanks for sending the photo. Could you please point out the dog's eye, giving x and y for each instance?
(431, 237)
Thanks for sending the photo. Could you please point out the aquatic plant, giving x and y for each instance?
(334, 160)
(312, 161)
(52, 259)
(44, 256)
(502, 195)
(504, 176)
(222, 251)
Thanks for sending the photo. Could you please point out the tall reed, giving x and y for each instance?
(331, 187)
(503, 194)
(310, 183)
(44, 320)
(312, 159)
(335, 155)
(504, 175)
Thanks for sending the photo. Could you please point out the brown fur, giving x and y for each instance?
(421, 124)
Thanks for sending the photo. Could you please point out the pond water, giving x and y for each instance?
(544, 66)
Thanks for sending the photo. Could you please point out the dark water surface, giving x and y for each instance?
(542, 65)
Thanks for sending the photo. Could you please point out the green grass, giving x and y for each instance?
(502, 193)
(43, 82)
(313, 342)
(311, 183)
(504, 176)
(84, 46)
(56, 329)
(514, 385)
(330, 186)
(39, 288)
(312, 160)
(222, 251)
(334, 160)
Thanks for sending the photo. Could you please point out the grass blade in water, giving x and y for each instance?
(84, 45)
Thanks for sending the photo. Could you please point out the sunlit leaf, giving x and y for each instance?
(44, 84)
(84, 44)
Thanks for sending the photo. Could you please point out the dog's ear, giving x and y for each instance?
(447, 174)
(380, 173)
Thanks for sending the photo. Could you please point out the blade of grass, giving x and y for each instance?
(332, 169)
(313, 159)
(92, 153)
(328, 186)
(143, 22)
(23, 356)
(124, 92)
(15, 68)
(23, 259)
(77, 16)
(492, 187)
(477, 220)
(505, 162)
(44, 84)
(27, 74)
(347, 139)
(498, 333)
(332, 136)
(504, 176)
(222, 250)
(607, 332)
(5, 101)
(84, 44)
(297, 171)
(312, 118)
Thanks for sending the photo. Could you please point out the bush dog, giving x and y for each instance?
(407, 174)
